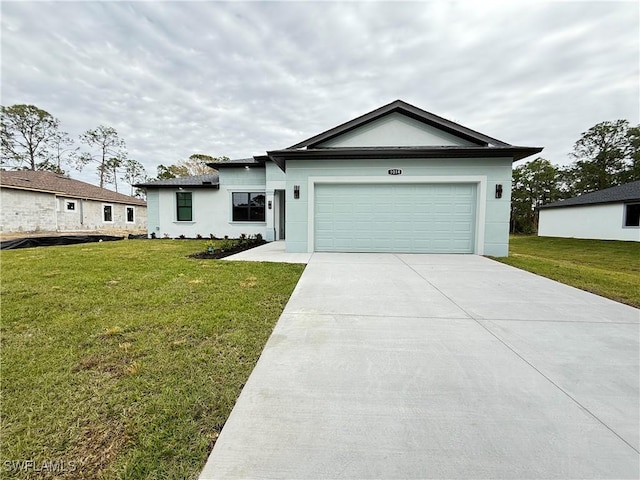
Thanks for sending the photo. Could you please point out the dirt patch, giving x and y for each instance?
(98, 448)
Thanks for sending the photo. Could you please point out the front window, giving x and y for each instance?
(632, 215)
(107, 213)
(184, 202)
(248, 206)
(70, 205)
(131, 215)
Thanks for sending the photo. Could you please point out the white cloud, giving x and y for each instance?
(238, 79)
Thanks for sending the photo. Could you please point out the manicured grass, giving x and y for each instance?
(604, 267)
(126, 358)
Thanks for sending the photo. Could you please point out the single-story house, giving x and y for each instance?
(397, 179)
(609, 214)
(36, 201)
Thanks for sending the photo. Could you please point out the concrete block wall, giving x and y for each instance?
(27, 211)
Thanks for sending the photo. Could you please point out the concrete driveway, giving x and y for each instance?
(438, 366)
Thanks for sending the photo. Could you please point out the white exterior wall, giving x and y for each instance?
(27, 211)
(603, 222)
(211, 213)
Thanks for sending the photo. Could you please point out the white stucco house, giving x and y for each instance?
(610, 214)
(43, 202)
(397, 179)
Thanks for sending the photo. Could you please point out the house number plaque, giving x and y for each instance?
(394, 171)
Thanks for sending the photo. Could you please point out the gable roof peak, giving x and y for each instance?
(404, 108)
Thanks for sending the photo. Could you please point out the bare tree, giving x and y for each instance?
(133, 172)
(62, 151)
(107, 145)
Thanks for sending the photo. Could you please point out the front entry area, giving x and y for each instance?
(401, 218)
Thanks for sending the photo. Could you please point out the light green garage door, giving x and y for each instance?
(409, 218)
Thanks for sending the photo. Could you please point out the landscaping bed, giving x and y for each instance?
(218, 253)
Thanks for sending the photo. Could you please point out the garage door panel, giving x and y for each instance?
(463, 209)
(422, 218)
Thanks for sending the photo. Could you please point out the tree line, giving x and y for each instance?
(195, 165)
(606, 155)
(32, 140)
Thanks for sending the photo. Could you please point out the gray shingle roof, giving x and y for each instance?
(203, 181)
(405, 108)
(50, 182)
(629, 192)
(239, 162)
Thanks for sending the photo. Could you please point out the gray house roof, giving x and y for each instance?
(195, 181)
(409, 110)
(483, 145)
(629, 192)
(239, 162)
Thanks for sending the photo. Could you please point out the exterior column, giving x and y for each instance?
(270, 234)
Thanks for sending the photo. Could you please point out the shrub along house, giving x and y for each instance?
(397, 179)
(35, 201)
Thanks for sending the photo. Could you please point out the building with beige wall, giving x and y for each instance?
(35, 202)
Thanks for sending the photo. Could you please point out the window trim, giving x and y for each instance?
(625, 215)
(70, 202)
(126, 214)
(249, 193)
(177, 207)
(110, 205)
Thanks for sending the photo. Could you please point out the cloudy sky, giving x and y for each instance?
(240, 78)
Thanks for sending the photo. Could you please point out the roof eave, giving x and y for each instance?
(602, 202)
(195, 185)
(280, 157)
(77, 196)
(219, 166)
(259, 161)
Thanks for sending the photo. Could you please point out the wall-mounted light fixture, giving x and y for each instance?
(498, 191)
(296, 191)
(269, 204)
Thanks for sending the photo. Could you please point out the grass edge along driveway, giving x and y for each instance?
(124, 359)
(607, 268)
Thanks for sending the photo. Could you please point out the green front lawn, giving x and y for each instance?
(124, 359)
(604, 267)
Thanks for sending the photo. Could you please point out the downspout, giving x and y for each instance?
(57, 211)
(81, 212)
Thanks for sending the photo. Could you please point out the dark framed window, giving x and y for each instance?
(131, 215)
(70, 205)
(107, 213)
(632, 215)
(248, 206)
(184, 203)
